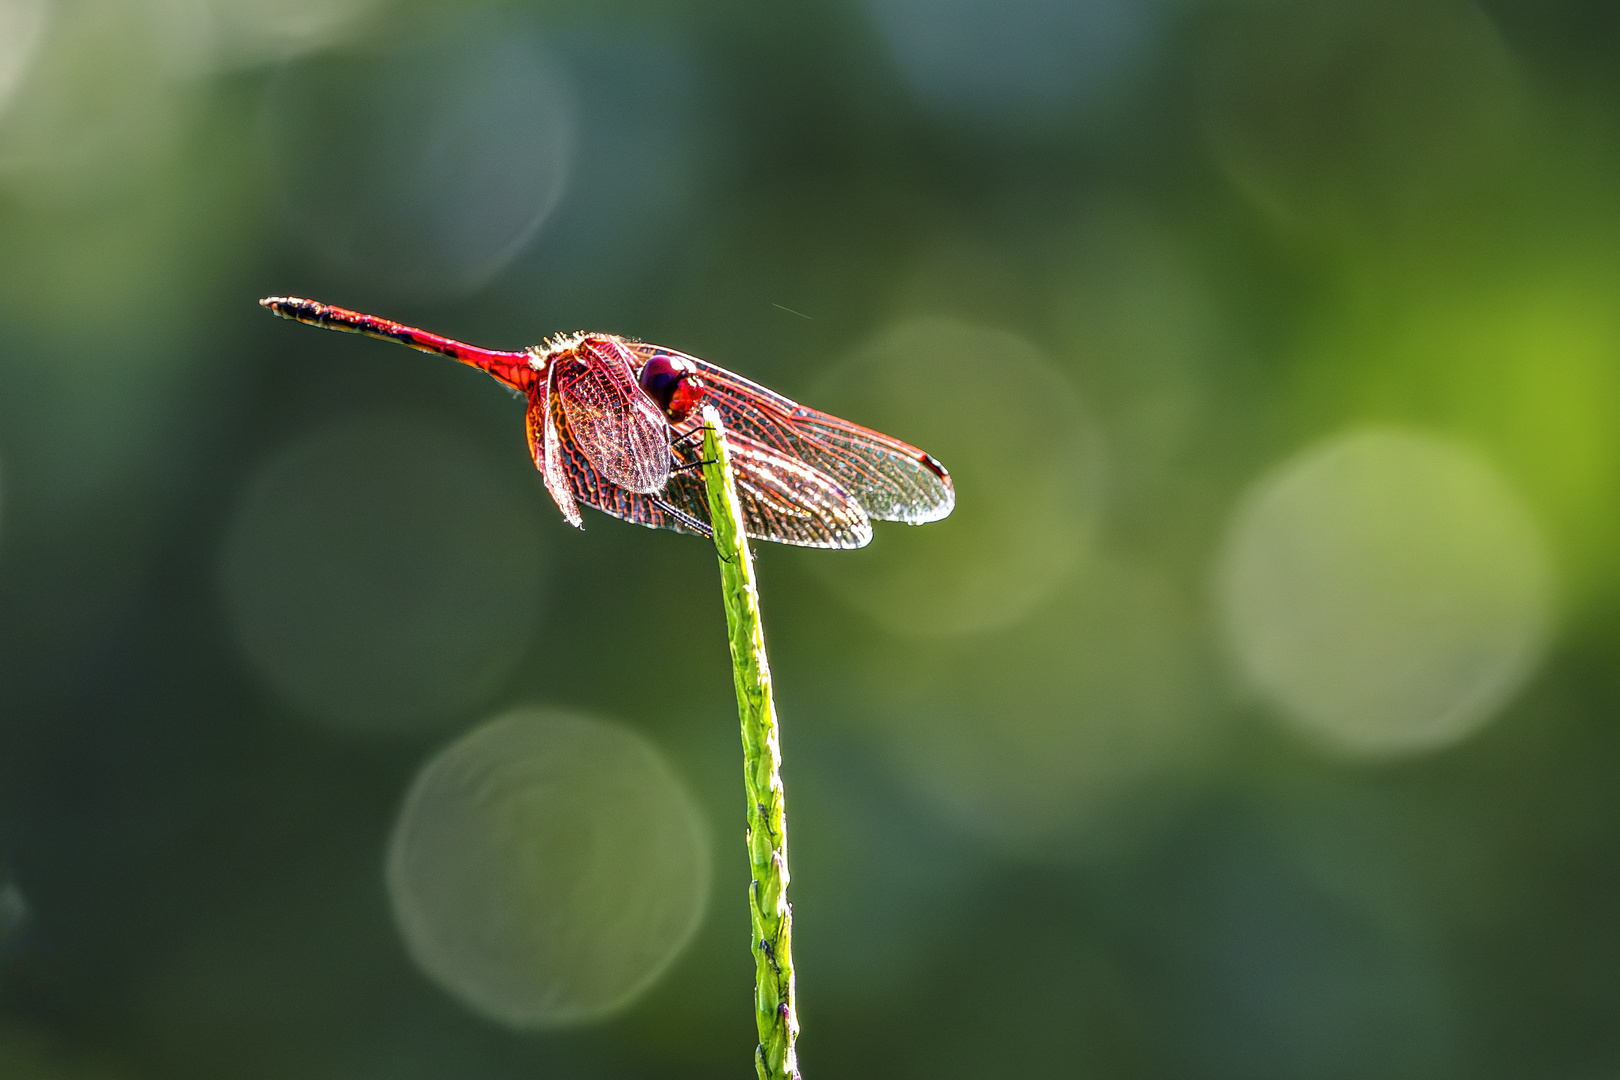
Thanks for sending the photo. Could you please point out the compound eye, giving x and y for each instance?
(670, 382)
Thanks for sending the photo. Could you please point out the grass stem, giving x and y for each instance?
(768, 907)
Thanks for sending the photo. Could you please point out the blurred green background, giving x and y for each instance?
(1252, 717)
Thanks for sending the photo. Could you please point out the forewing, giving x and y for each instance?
(892, 480)
(782, 499)
(611, 420)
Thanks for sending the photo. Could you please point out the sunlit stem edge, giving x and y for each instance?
(768, 907)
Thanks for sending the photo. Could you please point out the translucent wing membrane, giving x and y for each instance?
(786, 500)
(783, 500)
(892, 480)
(613, 421)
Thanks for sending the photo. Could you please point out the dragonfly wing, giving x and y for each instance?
(786, 500)
(782, 499)
(593, 489)
(892, 480)
(611, 419)
(546, 448)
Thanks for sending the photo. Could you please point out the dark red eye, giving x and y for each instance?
(672, 383)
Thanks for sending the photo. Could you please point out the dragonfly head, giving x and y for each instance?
(673, 383)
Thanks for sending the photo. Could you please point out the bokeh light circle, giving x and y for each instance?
(1025, 458)
(547, 868)
(425, 169)
(381, 575)
(1386, 590)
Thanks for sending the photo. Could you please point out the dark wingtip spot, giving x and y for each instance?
(939, 470)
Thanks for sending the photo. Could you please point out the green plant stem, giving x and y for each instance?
(768, 907)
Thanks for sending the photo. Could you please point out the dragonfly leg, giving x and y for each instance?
(687, 466)
(699, 527)
(676, 443)
(696, 434)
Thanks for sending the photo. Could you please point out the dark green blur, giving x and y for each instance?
(1112, 261)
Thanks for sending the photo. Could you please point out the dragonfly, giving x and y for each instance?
(615, 424)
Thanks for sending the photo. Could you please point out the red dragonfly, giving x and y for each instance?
(615, 424)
